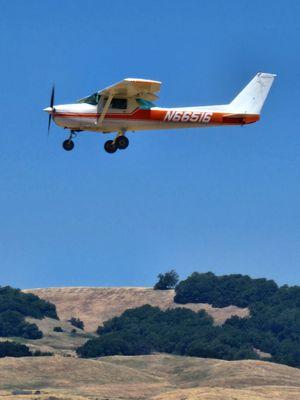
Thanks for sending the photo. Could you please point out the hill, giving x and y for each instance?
(94, 305)
(272, 327)
(156, 377)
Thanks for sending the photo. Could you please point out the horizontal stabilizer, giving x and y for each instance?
(240, 119)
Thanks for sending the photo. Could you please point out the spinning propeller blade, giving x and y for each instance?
(51, 107)
(49, 123)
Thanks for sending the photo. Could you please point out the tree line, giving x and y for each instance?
(222, 291)
(15, 306)
(13, 349)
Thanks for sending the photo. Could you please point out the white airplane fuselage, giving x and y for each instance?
(84, 117)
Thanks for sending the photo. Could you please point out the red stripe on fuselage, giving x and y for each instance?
(159, 115)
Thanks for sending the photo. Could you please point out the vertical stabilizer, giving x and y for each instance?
(251, 99)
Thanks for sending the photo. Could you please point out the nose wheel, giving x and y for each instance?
(68, 144)
(120, 143)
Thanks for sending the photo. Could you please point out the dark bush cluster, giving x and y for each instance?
(179, 331)
(58, 329)
(11, 349)
(77, 323)
(12, 323)
(15, 306)
(27, 304)
(273, 325)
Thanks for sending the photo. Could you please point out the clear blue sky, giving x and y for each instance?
(220, 199)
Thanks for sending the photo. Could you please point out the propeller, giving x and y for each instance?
(51, 109)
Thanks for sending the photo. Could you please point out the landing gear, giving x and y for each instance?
(110, 146)
(121, 142)
(68, 144)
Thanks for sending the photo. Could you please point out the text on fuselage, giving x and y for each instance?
(188, 116)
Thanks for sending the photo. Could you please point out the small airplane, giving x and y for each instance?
(128, 106)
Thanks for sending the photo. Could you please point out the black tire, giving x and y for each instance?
(68, 145)
(110, 147)
(122, 142)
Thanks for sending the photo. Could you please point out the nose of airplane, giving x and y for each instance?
(48, 109)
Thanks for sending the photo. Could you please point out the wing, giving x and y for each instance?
(131, 87)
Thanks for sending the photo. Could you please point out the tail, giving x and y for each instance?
(251, 99)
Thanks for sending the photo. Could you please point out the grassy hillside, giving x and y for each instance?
(254, 393)
(145, 377)
(94, 305)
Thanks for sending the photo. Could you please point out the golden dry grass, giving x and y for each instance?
(157, 377)
(63, 343)
(94, 305)
(254, 393)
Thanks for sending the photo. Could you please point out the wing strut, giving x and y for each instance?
(105, 109)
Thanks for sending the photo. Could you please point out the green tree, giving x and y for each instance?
(167, 281)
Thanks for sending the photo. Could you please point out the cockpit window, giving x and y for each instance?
(116, 103)
(93, 99)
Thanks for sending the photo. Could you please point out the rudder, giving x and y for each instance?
(251, 99)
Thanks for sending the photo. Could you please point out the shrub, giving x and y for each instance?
(77, 323)
(39, 353)
(58, 329)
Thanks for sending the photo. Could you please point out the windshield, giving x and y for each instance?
(93, 99)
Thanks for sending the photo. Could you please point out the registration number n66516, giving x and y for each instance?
(188, 116)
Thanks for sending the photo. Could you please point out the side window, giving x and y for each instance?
(120, 104)
(145, 104)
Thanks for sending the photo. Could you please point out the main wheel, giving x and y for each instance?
(110, 147)
(122, 142)
(68, 145)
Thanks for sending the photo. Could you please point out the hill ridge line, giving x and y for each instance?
(87, 287)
